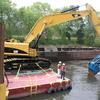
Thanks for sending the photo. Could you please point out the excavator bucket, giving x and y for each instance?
(90, 73)
(94, 66)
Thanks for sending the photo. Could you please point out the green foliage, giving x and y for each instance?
(97, 42)
(53, 42)
(18, 22)
(40, 9)
(6, 14)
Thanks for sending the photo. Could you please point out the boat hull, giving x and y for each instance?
(25, 85)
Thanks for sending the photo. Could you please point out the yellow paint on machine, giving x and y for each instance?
(2, 91)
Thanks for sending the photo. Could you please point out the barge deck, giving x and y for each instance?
(36, 83)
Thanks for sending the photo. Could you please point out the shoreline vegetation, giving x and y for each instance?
(72, 42)
(18, 22)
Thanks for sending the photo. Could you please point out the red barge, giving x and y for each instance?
(36, 82)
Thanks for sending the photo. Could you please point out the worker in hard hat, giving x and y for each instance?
(58, 68)
(62, 69)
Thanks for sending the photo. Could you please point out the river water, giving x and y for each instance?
(83, 87)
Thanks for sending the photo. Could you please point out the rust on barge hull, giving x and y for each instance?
(68, 53)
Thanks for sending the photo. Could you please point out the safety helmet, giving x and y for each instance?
(59, 62)
(63, 64)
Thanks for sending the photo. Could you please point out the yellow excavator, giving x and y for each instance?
(16, 52)
(22, 52)
(23, 49)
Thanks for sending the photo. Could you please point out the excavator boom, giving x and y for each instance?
(51, 20)
(61, 17)
(94, 19)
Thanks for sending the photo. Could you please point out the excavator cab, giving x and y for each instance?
(94, 65)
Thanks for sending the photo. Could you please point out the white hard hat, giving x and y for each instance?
(59, 62)
(63, 64)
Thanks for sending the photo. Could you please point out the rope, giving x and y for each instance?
(17, 74)
(42, 69)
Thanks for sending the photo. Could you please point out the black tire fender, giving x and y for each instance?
(61, 88)
(51, 90)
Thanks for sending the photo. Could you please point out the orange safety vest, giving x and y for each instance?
(62, 68)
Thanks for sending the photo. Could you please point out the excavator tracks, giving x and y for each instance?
(27, 63)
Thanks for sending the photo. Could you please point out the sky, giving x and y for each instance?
(58, 3)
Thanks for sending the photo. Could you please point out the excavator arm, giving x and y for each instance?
(94, 19)
(61, 17)
(51, 20)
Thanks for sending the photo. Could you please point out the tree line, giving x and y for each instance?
(18, 22)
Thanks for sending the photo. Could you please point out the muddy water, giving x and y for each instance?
(83, 87)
